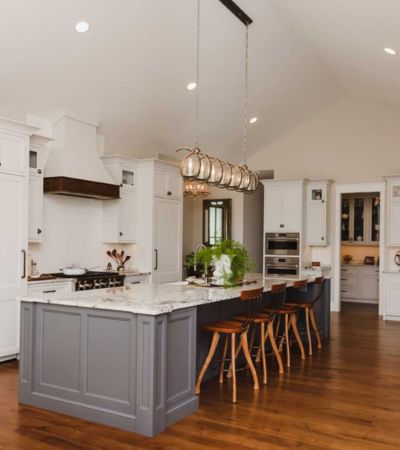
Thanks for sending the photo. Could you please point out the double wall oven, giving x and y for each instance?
(282, 255)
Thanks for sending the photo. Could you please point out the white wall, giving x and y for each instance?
(72, 234)
(351, 141)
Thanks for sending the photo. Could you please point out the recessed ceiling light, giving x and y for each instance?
(82, 27)
(390, 51)
(253, 120)
(191, 86)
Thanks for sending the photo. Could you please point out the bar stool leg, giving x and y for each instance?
(308, 331)
(221, 372)
(270, 330)
(245, 346)
(229, 374)
(296, 333)
(264, 362)
(287, 340)
(210, 355)
(314, 324)
(233, 362)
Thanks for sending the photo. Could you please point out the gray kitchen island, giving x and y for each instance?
(126, 357)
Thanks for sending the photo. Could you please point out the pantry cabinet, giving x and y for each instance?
(283, 205)
(14, 152)
(391, 294)
(360, 283)
(317, 213)
(159, 226)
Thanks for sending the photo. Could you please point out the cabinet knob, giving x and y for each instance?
(322, 201)
(39, 171)
(169, 193)
(121, 233)
(39, 231)
(322, 238)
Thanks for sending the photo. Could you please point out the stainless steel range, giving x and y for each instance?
(95, 280)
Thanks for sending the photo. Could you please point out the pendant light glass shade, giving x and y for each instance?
(205, 167)
(226, 174)
(253, 185)
(246, 179)
(236, 178)
(190, 165)
(216, 171)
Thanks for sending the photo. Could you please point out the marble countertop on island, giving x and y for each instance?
(154, 299)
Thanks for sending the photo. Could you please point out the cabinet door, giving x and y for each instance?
(392, 299)
(359, 220)
(167, 240)
(316, 224)
(174, 185)
(161, 183)
(35, 208)
(291, 208)
(370, 286)
(127, 209)
(394, 224)
(273, 218)
(13, 244)
(13, 155)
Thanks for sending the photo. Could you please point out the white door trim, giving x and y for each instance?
(353, 189)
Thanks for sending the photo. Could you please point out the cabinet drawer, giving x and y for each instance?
(49, 289)
(136, 279)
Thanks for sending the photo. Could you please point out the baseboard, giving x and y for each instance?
(361, 300)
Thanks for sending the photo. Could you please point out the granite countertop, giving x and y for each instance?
(154, 299)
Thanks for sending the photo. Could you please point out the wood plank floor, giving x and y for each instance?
(347, 396)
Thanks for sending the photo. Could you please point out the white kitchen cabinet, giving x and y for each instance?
(360, 283)
(159, 226)
(13, 153)
(35, 221)
(283, 205)
(136, 279)
(14, 156)
(167, 184)
(167, 239)
(317, 213)
(119, 218)
(122, 169)
(13, 247)
(393, 224)
(48, 289)
(391, 293)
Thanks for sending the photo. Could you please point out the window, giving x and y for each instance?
(216, 221)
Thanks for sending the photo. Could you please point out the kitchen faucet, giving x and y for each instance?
(200, 246)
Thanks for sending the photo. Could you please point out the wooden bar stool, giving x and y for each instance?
(307, 305)
(289, 312)
(229, 328)
(265, 323)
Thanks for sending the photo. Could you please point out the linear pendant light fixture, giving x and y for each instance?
(202, 168)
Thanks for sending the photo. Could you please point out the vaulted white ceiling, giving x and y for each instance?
(130, 70)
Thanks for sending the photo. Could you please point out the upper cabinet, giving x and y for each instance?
(360, 219)
(167, 184)
(317, 212)
(13, 155)
(393, 227)
(119, 216)
(38, 153)
(283, 205)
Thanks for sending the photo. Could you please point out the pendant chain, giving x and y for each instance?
(246, 83)
(197, 130)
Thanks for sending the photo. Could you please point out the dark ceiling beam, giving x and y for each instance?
(237, 11)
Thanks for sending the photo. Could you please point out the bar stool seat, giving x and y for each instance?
(226, 326)
(254, 317)
(282, 309)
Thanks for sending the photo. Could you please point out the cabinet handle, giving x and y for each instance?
(322, 201)
(343, 290)
(322, 238)
(23, 264)
(39, 171)
(169, 193)
(121, 233)
(39, 231)
(51, 291)
(282, 225)
(343, 279)
(156, 265)
(344, 270)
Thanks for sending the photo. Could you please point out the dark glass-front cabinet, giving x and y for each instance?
(360, 219)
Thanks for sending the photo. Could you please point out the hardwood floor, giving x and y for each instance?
(346, 396)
